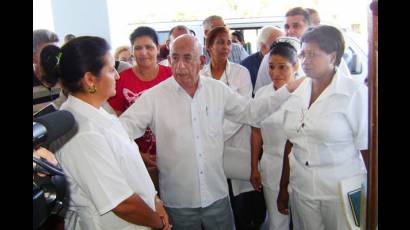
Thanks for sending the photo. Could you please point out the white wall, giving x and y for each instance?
(80, 18)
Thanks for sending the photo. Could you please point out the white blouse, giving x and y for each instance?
(274, 140)
(103, 167)
(327, 137)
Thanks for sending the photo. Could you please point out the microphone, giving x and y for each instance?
(50, 127)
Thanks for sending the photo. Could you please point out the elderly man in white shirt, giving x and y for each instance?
(186, 114)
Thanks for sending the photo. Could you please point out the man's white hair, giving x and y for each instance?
(197, 44)
(266, 32)
(207, 23)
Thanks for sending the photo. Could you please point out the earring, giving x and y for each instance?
(92, 89)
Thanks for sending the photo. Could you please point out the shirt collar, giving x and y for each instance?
(340, 84)
(206, 70)
(178, 88)
(86, 109)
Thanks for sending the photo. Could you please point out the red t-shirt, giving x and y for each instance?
(129, 87)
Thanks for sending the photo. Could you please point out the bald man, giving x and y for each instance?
(186, 114)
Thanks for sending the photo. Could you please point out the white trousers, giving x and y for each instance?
(277, 221)
(310, 214)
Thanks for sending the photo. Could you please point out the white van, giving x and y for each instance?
(355, 56)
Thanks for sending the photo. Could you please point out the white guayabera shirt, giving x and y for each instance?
(189, 132)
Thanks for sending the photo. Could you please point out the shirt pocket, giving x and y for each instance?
(215, 118)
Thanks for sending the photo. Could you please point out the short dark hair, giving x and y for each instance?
(43, 36)
(70, 62)
(239, 35)
(299, 11)
(328, 38)
(144, 31)
(213, 33)
(285, 50)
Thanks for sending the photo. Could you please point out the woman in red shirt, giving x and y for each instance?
(145, 74)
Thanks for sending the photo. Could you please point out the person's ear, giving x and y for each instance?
(169, 60)
(89, 80)
(296, 67)
(264, 49)
(202, 60)
(35, 59)
(333, 57)
(158, 49)
(167, 42)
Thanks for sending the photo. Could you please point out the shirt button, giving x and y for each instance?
(307, 163)
(194, 119)
(197, 137)
(202, 172)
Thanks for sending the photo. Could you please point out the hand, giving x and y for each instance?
(282, 201)
(149, 159)
(256, 180)
(160, 210)
(44, 153)
(292, 86)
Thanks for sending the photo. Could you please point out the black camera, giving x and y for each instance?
(50, 192)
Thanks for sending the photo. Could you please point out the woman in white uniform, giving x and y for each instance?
(283, 66)
(326, 122)
(237, 137)
(109, 185)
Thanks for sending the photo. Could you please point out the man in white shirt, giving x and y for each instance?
(186, 114)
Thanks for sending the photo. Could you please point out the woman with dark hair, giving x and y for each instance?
(145, 74)
(325, 121)
(283, 66)
(110, 187)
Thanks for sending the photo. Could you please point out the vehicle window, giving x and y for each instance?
(352, 61)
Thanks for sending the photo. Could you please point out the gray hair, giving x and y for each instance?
(178, 27)
(266, 32)
(207, 23)
(43, 36)
(197, 45)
